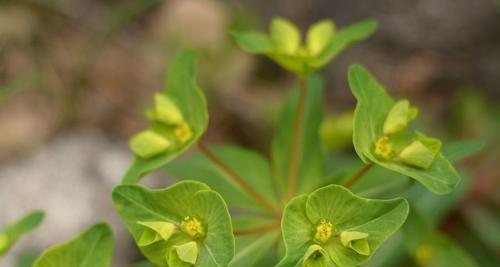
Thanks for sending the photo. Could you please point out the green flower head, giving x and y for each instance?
(333, 227)
(186, 224)
(178, 119)
(381, 136)
(285, 46)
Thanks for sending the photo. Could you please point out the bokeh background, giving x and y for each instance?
(76, 77)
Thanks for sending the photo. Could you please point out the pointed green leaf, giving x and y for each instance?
(341, 40)
(182, 90)
(252, 167)
(285, 36)
(334, 208)
(189, 205)
(23, 226)
(312, 155)
(92, 248)
(372, 109)
(319, 35)
(461, 150)
(254, 42)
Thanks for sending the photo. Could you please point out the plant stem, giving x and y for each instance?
(297, 134)
(256, 230)
(358, 175)
(246, 187)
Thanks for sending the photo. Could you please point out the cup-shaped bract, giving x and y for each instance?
(285, 44)
(381, 136)
(347, 228)
(319, 36)
(155, 231)
(202, 230)
(357, 241)
(178, 119)
(316, 257)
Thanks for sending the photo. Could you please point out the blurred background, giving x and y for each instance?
(77, 76)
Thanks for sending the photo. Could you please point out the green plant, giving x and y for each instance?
(235, 207)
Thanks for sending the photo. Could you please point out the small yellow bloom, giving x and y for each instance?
(192, 227)
(324, 231)
(383, 148)
(183, 132)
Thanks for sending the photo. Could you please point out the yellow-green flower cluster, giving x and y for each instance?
(419, 152)
(188, 232)
(325, 233)
(169, 130)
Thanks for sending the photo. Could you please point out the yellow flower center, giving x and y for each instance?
(324, 231)
(183, 132)
(383, 148)
(192, 227)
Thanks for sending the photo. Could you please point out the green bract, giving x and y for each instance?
(357, 241)
(12, 233)
(381, 136)
(178, 120)
(154, 232)
(202, 231)
(92, 248)
(316, 256)
(322, 43)
(348, 229)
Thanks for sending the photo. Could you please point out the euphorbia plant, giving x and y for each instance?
(238, 208)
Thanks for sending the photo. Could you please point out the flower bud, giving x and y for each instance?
(399, 116)
(319, 35)
(166, 111)
(147, 144)
(315, 257)
(421, 153)
(155, 231)
(285, 36)
(356, 241)
(183, 255)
